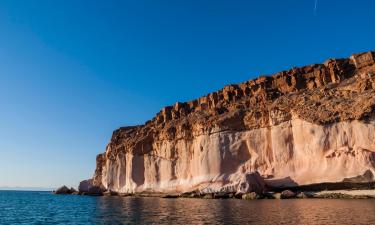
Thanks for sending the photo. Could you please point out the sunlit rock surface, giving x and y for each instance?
(303, 126)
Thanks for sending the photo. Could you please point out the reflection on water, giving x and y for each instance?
(117, 210)
(46, 208)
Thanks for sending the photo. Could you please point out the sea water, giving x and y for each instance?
(22, 207)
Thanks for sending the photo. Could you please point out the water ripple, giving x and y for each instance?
(18, 207)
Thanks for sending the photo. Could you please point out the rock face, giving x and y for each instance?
(87, 187)
(307, 125)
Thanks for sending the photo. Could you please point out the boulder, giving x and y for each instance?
(64, 190)
(251, 196)
(287, 194)
(251, 182)
(276, 195)
(87, 187)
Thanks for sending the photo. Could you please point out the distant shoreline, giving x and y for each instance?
(25, 189)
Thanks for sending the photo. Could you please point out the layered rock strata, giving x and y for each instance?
(303, 126)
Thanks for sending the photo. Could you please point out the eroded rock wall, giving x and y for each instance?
(293, 152)
(307, 125)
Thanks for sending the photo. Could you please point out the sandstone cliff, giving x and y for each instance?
(303, 126)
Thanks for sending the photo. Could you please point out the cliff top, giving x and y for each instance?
(337, 90)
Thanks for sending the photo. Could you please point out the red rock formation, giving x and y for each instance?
(283, 125)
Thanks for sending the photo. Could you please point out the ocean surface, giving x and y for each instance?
(22, 207)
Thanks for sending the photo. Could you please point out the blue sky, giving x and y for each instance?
(73, 71)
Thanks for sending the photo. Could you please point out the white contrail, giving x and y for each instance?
(316, 6)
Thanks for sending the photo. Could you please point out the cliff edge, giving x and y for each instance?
(303, 126)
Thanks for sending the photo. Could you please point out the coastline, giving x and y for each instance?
(335, 194)
(341, 190)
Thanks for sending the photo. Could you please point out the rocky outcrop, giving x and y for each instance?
(64, 190)
(87, 187)
(303, 126)
(287, 194)
(368, 176)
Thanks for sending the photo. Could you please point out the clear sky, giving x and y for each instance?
(73, 71)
